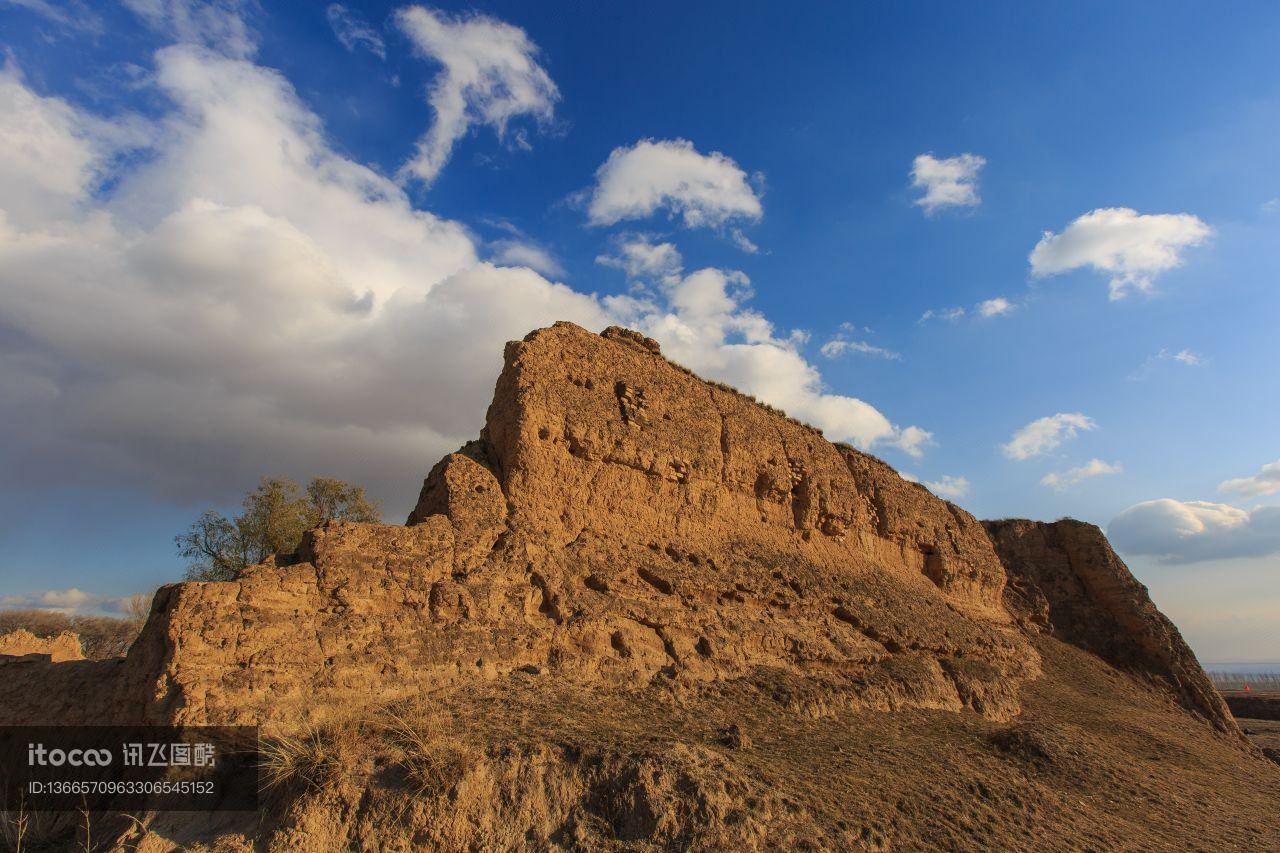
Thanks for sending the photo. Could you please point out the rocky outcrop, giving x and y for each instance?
(618, 521)
(603, 436)
(1065, 577)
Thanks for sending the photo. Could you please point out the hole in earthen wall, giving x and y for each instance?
(656, 581)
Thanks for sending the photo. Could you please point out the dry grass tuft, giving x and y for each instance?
(22, 830)
(411, 735)
(317, 758)
(433, 759)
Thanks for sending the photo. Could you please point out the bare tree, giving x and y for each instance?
(137, 607)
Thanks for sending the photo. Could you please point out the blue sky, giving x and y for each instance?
(243, 239)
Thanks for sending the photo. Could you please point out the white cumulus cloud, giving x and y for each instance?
(490, 76)
(1073, 476)
(949, 487)
(948, 181)
(702, 190)
(1130, 247)
(53, 154)
(913, 440)
(1190, 531)
(243, 299)
(1044, 434)
(1265, 482)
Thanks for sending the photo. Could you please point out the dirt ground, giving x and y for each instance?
(1097, 761)
(1263, 733)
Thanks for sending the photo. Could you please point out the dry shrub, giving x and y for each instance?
(433, 758)
(317, 758)
(409, 735)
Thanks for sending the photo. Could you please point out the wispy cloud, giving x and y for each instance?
(219, 25)
(71, 14)
(841, 344)
(354, 32)
(837, 347)
(1073, 476)
(1044, 434)
(525, 253)
(490, 76)
(997, 306)
(1185, 356)
(1182, 357)
(950, 315)
(743, 242)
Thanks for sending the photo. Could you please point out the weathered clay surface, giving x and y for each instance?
(1065, 576)
(63, 647)
(619, 520)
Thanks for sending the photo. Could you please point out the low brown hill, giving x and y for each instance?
(1066, 577)
(644, 610)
